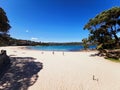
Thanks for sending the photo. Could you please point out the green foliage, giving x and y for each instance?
(104, 28)
(113, 60)
(4, 39)
(4, 28)
(85, 43)
(4, 22)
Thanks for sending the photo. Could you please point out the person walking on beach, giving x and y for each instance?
(42, 52)
(63, 53)
(53, 52)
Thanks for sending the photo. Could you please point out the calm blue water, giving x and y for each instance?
(60, 48)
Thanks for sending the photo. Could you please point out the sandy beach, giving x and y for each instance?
(70, 70)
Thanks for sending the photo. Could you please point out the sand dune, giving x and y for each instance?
(71, 71)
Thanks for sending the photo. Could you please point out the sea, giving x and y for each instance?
(61, 47)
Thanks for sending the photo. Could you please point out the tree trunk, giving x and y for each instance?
(116, 38)
(116, 41)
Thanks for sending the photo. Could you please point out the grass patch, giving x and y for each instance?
(114, 60)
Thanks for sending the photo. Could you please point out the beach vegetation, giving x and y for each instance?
(4, 27)
(104, 29)
(4, 22)
(113, 60)
(85, 43)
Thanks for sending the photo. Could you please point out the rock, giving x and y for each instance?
(4, 62)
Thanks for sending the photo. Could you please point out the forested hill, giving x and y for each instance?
(6, 40)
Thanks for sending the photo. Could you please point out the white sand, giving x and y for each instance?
(72, 71)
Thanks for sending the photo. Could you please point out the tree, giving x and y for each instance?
(4, 28)
(85, 43)
(104, 28)
(4, 22)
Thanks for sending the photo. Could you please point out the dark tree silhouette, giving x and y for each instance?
(105, 27)
(4, 28)
(4, 22)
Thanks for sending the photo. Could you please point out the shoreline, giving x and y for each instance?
(71, 71)
(27, 48)
(82, 50)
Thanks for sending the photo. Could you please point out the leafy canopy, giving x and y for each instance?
(4, 22)
(104, 28)
(85, 43)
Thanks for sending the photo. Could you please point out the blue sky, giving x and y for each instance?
(52, 20)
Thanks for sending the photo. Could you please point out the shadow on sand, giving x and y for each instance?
(22, 73)
(93, 55)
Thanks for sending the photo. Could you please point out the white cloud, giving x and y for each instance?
(27, 31)
(34, 39)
